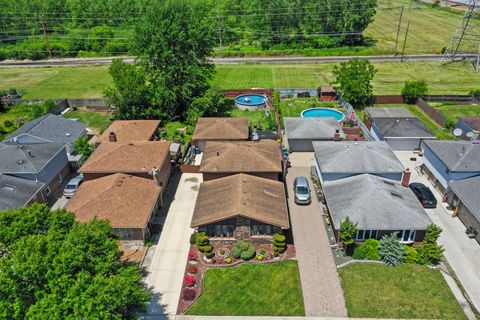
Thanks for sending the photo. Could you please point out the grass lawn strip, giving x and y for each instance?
(92, 120)
(251, 290)
(408, 291)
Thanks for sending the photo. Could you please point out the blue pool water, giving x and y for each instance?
(250, 99)
(322, 113)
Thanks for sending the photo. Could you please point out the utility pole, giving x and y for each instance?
(47, 43)
(405, 42)
(398, 30)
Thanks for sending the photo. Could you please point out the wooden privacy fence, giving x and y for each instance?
(436, 115)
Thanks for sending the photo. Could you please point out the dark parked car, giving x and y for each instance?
(423, 193)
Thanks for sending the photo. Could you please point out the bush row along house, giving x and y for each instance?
(243, 196)
(366, 182)
(36, 158)
(454, 169)
(125, 179)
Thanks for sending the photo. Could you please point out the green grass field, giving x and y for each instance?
(251, 290)
(89, 82)
(92, 120)
(449, 110)
(408, 291)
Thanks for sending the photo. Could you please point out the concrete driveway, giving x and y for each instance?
(165, 271)
(322, 293)
(462, 253)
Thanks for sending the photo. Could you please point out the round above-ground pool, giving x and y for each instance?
(250, 101)
(323, 113)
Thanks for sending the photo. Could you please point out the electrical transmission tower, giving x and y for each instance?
(465, 42)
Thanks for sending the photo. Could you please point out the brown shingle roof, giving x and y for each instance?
(134, 157)
(126, 201)
(243, 195)
(472, 122)
(241, 157)
(131, 130)
(221, 129)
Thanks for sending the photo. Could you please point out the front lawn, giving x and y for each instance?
(408, 291)
(251, 290)
(93, 120)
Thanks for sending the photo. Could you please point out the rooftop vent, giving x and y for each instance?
(396, 195)
(389, 183)
(9, 187)
(68, 134)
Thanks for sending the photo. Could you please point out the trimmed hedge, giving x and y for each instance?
(243, 250)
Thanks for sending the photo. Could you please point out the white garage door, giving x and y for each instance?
(403, 144)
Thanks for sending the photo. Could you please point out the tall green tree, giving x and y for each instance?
(130, 92)
(353, 80)
(172, 44)
(54, 268)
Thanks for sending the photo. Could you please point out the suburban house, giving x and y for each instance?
(258, 158)
(445, 161)
(50, 128)
(150, 160)
(17, 192)
(380, 206)
(337, 160)
(241, 207)
(469, 124)
(127, 201)
(131, 130)
(301, 132)
(223, 129)
(398, 127)
(463, 197)
(44, 162)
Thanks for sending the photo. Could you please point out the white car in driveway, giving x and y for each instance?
(72, 186)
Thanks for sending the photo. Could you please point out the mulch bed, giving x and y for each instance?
(219, 262)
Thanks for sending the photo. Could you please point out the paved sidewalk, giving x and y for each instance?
(322, 293)
(165, 272)
(462, 253)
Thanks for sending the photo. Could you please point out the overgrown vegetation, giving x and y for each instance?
(52, 266)
(353, 80)
(414, 90)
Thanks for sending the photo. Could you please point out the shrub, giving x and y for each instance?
(228, 260)
(191, 268)
(450, 123)
(205, 249)
(429, 253)
(209, 255)
(432, 233)
(188, 294)
(244, 250)
(12, 91)
(348, 230)
(414, 90)
(202, 239)
(193, 238)
(192, 256)
(189, 281)
(391, 251)
(8, 124)
(412, 256)
(222, 252)
(360, 252)
(371, 246)
(260, 257)
(279, 244)
(262, 252)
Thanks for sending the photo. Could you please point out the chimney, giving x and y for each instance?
(112, 137)
(406, 177)
(336, 135)
(29, 153)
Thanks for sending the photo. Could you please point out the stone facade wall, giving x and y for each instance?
(242, 230)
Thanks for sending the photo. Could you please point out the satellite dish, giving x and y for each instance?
(457, 132)
(470, 134)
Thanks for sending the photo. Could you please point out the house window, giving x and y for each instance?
(366, 234)
(262, 229)
(220, 230)
(124, 233)
(407, 236)
(59, 178)
(48, 191)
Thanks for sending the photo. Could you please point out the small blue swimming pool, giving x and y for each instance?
(251, 101)
(323, 113)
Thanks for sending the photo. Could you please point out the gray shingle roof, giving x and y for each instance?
(16, 192)
(16, 159)
(467, 190)
(52, 128)
(458, 156)
(312, 128)
(389, 112)
(403, 128)
(472, 122)
(356, 157)
(374, 203)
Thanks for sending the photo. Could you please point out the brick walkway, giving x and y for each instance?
(322, 293)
